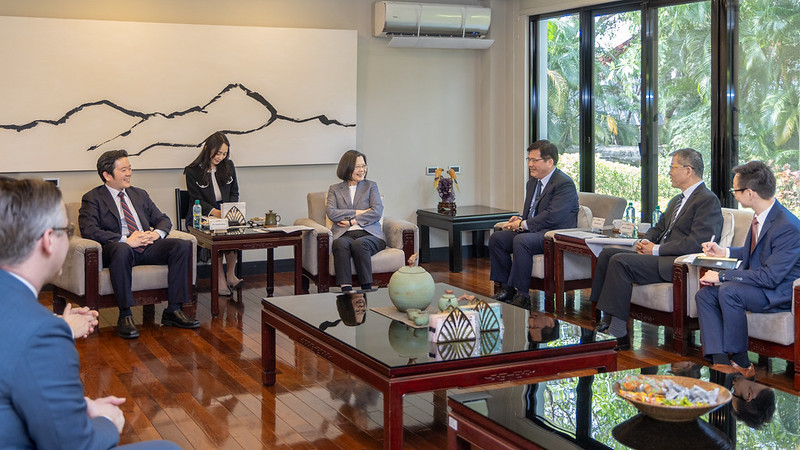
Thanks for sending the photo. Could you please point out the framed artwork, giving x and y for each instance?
(73, 89)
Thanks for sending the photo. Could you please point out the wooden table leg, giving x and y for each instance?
(298, 269)
(455, 250)
(392, 420)
(270, 272)
(267, 351)
(215, 283)
(424, 243)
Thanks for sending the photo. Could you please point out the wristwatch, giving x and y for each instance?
(519, 227)
(721, 275)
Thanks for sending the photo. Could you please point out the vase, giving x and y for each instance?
(447, 300)
(411, 287)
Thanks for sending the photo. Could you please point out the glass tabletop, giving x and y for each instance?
(584, 412)
(471, 210)
(352, 321)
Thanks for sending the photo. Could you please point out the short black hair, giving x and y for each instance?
(756, 412)
(105, 163)
(547, 150)
(348, 164)
(757, 177)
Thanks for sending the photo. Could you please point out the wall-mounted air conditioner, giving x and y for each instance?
(430, 25)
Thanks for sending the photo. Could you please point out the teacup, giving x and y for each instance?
(271, 219)
(418, 316)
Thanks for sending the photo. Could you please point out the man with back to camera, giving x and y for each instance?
(763, 283)
(42, 403)
(692, 217)
(551, 202)
(120, 217)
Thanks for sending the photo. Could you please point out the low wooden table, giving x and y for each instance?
(584, 412)
(398, 360)
(473, 218)
(250, 239)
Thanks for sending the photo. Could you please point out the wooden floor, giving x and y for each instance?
(202, 388)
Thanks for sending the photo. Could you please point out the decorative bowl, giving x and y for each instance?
(678, 413)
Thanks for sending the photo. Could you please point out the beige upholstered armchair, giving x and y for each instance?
(402, 241)
(672, 304)
(84, 281)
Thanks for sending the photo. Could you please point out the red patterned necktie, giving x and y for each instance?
(753, 235)
(129, 220)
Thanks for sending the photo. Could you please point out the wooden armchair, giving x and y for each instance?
(84, 281)
(777, 335)
(402, 241)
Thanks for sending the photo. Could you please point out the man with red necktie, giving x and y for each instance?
(132, 231)
(763, 283)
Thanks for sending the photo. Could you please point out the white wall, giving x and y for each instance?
(416, 107)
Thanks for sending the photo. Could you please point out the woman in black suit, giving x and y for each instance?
(211, 178)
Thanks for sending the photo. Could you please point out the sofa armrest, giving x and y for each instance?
(177, 234)
(689, 276)
(394, 229)
(312, 244)
(73, 273)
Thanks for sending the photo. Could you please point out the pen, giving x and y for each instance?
(712, 238)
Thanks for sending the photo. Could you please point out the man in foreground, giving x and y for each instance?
(551, 203)
(120, 217)
(763, 283)
(41, 395)
(692, 217)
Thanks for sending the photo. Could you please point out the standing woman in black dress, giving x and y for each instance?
(211, 178)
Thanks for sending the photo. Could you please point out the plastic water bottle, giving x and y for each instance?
(630, 213)
(656, 215)
(197, 211)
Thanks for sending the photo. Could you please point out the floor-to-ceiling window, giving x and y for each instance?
(722, 77)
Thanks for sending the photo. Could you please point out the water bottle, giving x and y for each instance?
(656, 215)
(630, 213)
(197, 211)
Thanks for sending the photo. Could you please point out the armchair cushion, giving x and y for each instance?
(772, 327)
(657, 296)
(608, 207)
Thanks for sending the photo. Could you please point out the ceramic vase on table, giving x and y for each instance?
(411, 287)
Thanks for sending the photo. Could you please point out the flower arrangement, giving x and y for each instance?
(444, 186)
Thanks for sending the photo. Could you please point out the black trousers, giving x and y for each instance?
(616, 272)
(359, 246)
(176, 254)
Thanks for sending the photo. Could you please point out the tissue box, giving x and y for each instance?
(490, 317)
(464, 327)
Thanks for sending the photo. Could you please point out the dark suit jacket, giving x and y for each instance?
(775, 262)
(556, 208)
(699, 219)
(99, 218)
(339, 207)
(41, 394)
(200, 189)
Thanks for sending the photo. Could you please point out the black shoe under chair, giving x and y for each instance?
(126, 329)
(178, 319)
(506, 294)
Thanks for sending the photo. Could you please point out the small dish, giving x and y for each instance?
(677, 413)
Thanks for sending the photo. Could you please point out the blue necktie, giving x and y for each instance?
(537, 192)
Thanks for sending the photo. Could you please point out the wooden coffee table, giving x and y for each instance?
(250, 239)
(397, 360)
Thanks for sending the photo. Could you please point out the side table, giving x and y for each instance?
(475, 218)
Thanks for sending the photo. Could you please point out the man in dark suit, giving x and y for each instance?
(692, 217)
(763, 283)
(551, 202)
(133, 231)
(42, 403)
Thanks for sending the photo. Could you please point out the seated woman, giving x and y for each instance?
(211, 178)
(355, 208)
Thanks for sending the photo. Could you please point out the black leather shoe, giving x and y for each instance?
(623, 343)
(178, 319)
(602, 326)
(506, 294)
(521, 301)
(126, 329)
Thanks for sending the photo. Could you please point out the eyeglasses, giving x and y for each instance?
(678, 167)
(70, 229)
(535, 160)
(361, 166)
(734, 191)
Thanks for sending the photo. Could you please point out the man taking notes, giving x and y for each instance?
(763, 284)
(551, 203)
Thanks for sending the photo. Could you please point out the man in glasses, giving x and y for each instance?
(42, 403)
(691, 218)
(762, 284)
(132, 231)
(551, 203)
